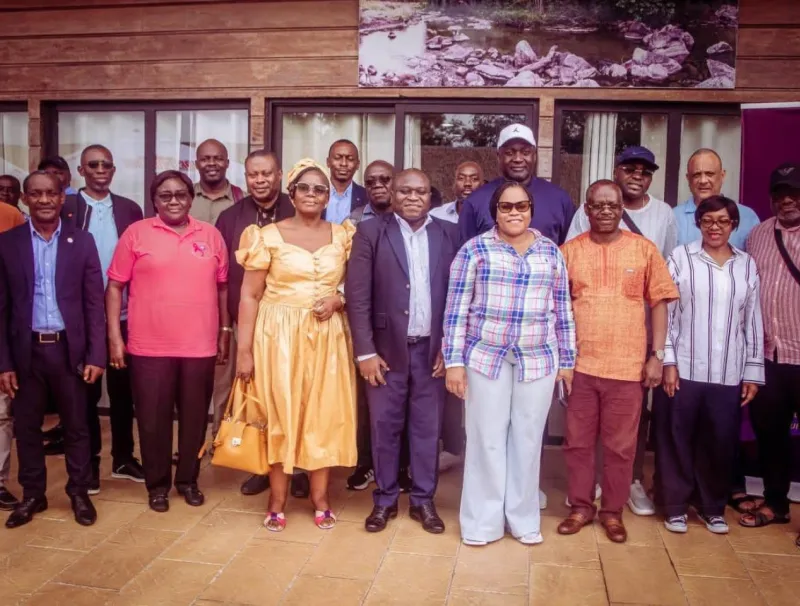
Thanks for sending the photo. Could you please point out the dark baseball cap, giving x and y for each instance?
(637, 153)
(54, 162)
(786, 174)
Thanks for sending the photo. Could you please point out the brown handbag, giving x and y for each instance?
(238, 444)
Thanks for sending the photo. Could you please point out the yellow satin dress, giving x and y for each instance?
(304, 375)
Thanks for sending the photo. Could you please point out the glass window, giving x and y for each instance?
(122, 132)
(723, 134)
(178, 133)
(590, 142)
(310, 135)
(438, 143)
(14, 144)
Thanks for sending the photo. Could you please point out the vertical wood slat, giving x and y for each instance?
(35, 132)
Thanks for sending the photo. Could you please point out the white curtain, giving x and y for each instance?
(178, 133)
(723, 134)
(599, 139)
(310, 135)
(654, 138)
(14, 144)
(413, 142)
(120, 132)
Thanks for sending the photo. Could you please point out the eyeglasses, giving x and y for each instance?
(165, 197)
(374, 181)
(597, 207)
(507, 207)
(708, 222)
(632, 170)
(304, 188)
(95, 164)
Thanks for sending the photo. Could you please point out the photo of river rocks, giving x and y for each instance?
(543, 43)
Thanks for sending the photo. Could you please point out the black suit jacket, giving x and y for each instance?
(357, 198)
(79, 294)
(77, 214)
(377, 287)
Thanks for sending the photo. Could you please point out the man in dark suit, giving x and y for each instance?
(346, 195)
(52, 342)
(396, 288)
(105, 215)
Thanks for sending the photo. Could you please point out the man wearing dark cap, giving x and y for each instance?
(775, 246)
(56, 165)
(517, 156)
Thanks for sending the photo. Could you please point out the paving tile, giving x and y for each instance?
(410, 537)
(500, 567)
(466, 597)
(167, 583)
(701, 553)
(28, 568)
(431, 578)
(180, 517)
(57, 594)
(216, 538)
(579, 550)
(308, 591)
(775, 540)
(705, 591)
(349, 552)
(626, 567)
(567, 586)
(777, 577)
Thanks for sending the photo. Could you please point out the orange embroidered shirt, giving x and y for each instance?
(610, 284)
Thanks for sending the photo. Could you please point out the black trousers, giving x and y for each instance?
(453, 434)
(118, 382)
(696, 455)
(363, 435)
(771, 416)
(51, 379)
(160, 385)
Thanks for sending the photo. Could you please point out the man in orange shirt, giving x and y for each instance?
(612, 273)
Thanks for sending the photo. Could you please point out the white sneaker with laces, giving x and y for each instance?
(677, 524)
(639, 503)
(598, 493)
(542, 499)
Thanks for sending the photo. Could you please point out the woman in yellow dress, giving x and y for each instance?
(294, 342)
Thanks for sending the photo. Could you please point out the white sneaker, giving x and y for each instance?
(542, 499)
(794, 492)
(715, 524)
(639, 502)
(532, 538)
(677, 524)
(598, 493)
(448, 460)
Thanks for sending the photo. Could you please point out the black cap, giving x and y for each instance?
(55, 162)
(637, 153)
(786, 174)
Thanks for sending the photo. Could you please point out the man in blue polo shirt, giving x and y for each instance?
(516, 156)
(705, 175)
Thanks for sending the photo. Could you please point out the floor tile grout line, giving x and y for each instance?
(386, 552)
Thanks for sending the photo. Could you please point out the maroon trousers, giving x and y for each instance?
(608, 409)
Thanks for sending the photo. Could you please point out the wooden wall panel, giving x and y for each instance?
(768, 73)
(769, 12)
(769, 42)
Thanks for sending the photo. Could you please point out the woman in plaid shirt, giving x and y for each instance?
(509, 336)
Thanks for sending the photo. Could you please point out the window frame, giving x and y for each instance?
(18, 107)
(674, 112)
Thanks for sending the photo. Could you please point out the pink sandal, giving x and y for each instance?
(324, 519)
(275, 521)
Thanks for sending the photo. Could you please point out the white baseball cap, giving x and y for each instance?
(515, 131)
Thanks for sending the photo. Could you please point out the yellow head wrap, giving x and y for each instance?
(302, 165)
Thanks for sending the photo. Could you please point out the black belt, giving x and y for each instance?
(415, 340)
(48, 338)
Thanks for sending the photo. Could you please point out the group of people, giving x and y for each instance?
(378, 332)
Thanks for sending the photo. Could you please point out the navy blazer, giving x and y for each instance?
(79, 294)
(76, 213)
(377, 287)
(357, 198)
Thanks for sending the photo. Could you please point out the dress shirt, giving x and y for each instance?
(362, 213)
(104, 230)
(419, 274)
(500, 301)
(339, 205)
(715, 331)
(689, 232)
(780, 293)
(46, 315)
(446, 212)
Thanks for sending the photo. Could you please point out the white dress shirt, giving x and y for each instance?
(446, 212)
(715, 330)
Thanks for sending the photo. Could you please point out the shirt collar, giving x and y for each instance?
(93, 203)
(450, 208)
(404, 226)
(346, 194)
(227, 193)
(696, 248)
(56, 233)
(192, 226)
(495, 235)
(788, 230)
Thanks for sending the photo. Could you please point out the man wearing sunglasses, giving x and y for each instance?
(378, 187)
(106, 216)
(346, 195)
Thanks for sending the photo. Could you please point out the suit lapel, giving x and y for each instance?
(434, 247)
(66, 253)
(398, 245)
(26, 256)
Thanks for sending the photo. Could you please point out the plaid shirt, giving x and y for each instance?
(500, 301)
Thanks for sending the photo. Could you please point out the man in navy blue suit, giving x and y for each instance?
(52, 342)
(346, 195)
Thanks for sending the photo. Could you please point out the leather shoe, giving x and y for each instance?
(7, 500)
(23, 513)
(379, 518)
(54, 433)
(192, 495)
(427, 516)
(159, 503)
(54, 447)
(615, 530)
(85, 513)
(300, 486)
(573, 523)
(254, 485)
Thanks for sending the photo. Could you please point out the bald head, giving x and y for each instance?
(705, 174)
(212, 163)
(412, 196)
(468, 178)
(378, 183)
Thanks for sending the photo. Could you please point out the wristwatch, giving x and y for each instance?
(659, 354)
(226, 328)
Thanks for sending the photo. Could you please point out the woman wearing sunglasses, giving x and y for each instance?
(509, 336)
(294, 346)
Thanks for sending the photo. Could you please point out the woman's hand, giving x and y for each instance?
(672, 382)
(456, 381)
(566, 375)
(116, 352)
(326, 307)
(244, 365)
(749, 391)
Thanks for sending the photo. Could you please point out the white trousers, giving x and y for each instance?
(505, 422)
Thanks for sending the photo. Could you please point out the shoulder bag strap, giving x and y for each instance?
(631, 225)
(786, 258)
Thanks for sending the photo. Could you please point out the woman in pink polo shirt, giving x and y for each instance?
(176, 268)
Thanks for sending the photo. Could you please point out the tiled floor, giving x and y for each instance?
(219, 554)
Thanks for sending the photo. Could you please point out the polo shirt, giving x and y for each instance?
(689, 232)
(173, 279)
(209, 209)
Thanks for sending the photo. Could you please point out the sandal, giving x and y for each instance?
(275, 521)
(760, 519)
(736, 503)
(324, 519)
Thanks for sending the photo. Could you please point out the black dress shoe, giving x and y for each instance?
(379, 518)
(55, 433)
(300, 486)
(23, 513)
(159, 503)
(427, 516)
(192, 495)
(7, 500)
(85, 513)
(54, 447)
(254, 485)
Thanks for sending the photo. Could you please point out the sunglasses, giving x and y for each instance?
(304, 188)
(600, 206)
(95, 164)
(632, 170)
(520, 207)
(382, 180)
(708, 222)
(165, 197)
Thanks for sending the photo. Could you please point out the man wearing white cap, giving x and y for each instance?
(516, 156)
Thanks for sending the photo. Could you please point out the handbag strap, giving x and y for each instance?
(631, 225)
(785, 254)
(246, 395)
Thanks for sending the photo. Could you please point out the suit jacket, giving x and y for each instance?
(79, 294)
(357, 198)
(377, 287)
(77, 213)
